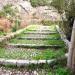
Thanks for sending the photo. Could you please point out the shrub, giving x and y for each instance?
(10, 13)
(48, 22)
(62, 71)
(2, 14)
(7, 10)
(36, 3)
(67, 7)
(17, 25)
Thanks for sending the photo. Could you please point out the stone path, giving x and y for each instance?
(36, 38)
(39, 34)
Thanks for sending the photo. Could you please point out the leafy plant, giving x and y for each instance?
(47, 22)
(62, 71)
(67, 8)
(36, 3)
(7, 10)
(59, 5)
(2, 33)
(17, 25)
(2, 14)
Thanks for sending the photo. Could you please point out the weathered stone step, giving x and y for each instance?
(38, 38)
(19, 63)
(11, 35)
(42, 33)
(40, 30)
(24, 62)
(34, 46)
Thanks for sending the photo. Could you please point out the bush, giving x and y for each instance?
(67, 28)
(67, 7)
(10, 13)
(2, 14)
(48, 22)
(7, 10)
(62, 71)
(17, 25)
(36, 3)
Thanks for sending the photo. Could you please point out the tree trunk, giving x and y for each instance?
(71, 55)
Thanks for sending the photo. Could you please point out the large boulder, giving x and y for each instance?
(26, 6)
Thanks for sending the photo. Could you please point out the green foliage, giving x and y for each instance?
(41, 69)
(71, 8)
(34, 54)
(36, 3)
(58, 4)
(17, 25)
(50, 54)
(66, 27)
(62, 71)
(47, 22)
(38, 54)
(7, 10)
(2, 14)
(11, 12)
(2, 33)
(33, 27)
(67, 6)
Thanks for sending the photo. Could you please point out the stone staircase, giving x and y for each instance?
(38, 39)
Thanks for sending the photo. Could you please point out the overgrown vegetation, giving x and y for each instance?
(2, 33)
(58, 69)
(33, 27)
(47, 22)
(36, 3)
(17, 25)
(37, 42)
(35, 54)
(7, 11)
(52, 36)
(66, 10)
(10, 12)
(21, 53)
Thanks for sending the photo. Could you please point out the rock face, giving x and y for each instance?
(4, 2)
(45, 12)
(25, 11)
(26, 6)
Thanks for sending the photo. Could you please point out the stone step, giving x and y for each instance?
(37, 38)
(34, 46)
(20, 63)
(40, 30)
(42, 33)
